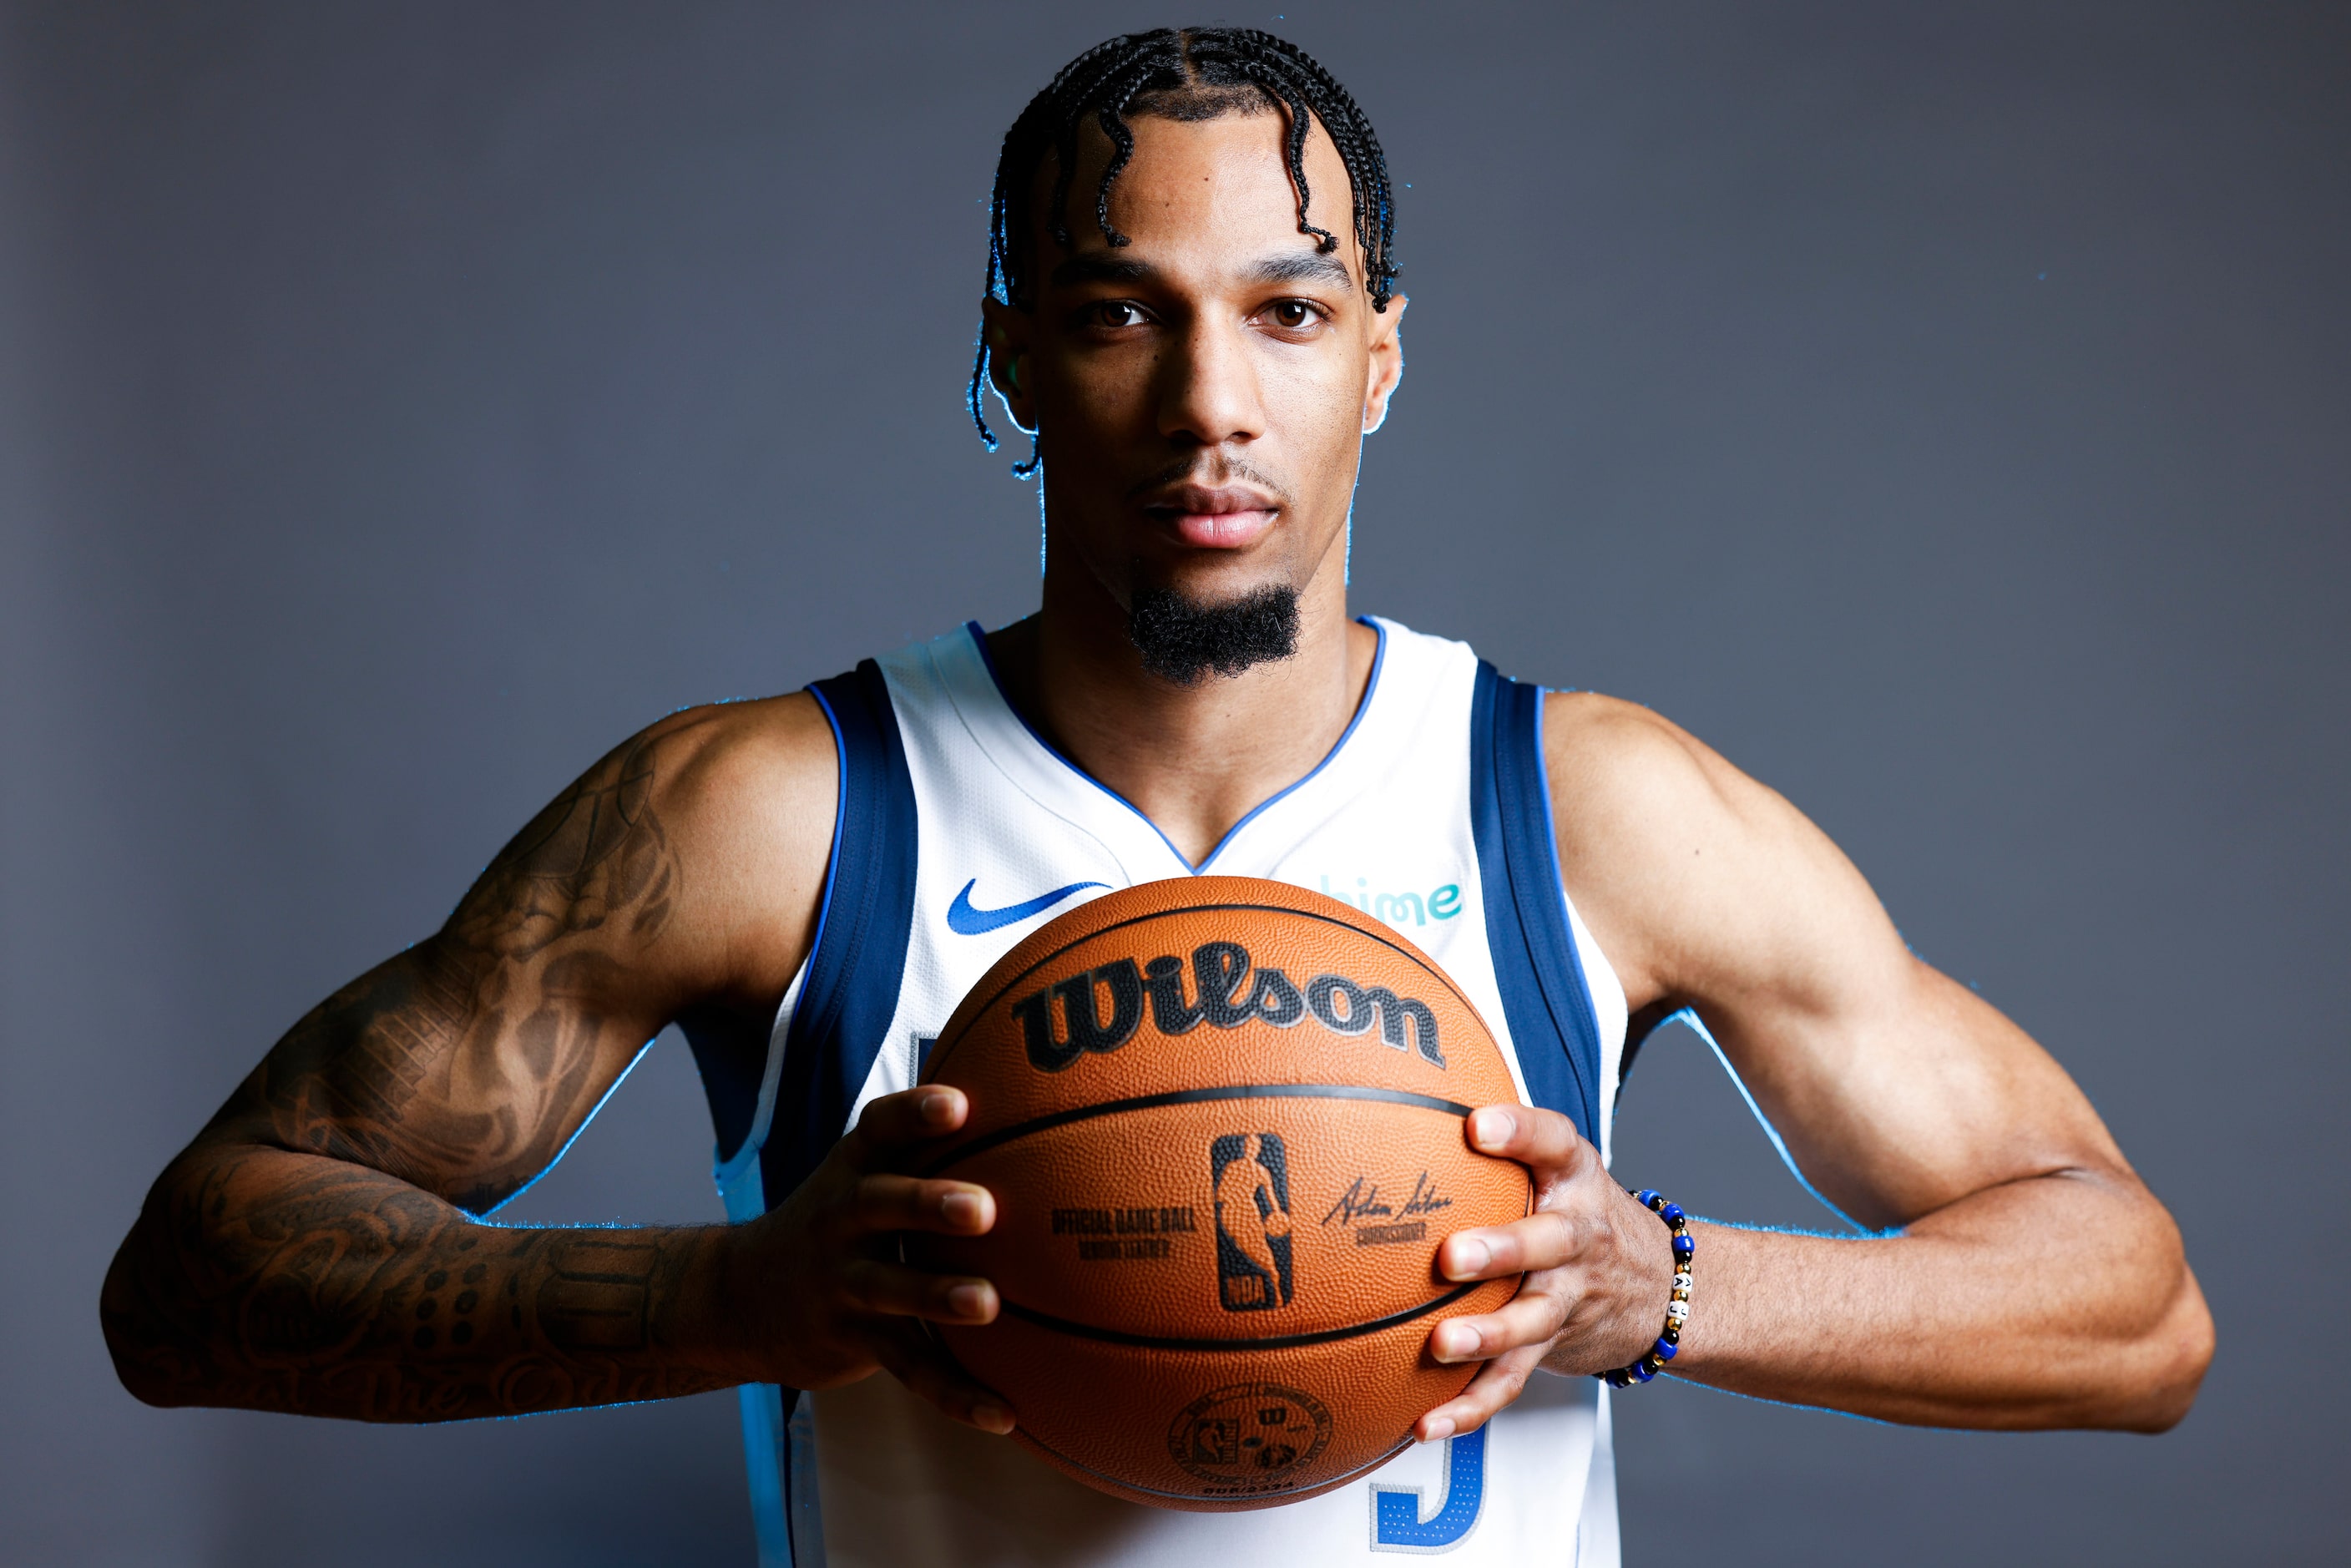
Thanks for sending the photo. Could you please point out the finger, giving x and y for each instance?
(906, 1203)
(919, 1363)
(1533, 1318)
(1527, 1134)
(891, 1121)
(1541, 1241)
(1498, 1382)
(873, 1285)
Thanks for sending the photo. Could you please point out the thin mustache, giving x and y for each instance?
(1229, 471)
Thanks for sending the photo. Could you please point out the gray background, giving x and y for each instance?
(1944, 412)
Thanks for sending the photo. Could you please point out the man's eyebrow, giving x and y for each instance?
(1095, 267)
(1312, 267)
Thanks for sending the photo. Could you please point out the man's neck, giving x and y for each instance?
(1194, 760)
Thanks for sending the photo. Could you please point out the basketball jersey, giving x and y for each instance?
(960, 830)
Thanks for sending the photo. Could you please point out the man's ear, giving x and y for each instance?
(1007, 333)
(1387, 368)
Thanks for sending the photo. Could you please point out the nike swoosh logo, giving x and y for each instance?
(966, 921)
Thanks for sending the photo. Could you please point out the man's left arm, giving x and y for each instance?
(2024, 1277)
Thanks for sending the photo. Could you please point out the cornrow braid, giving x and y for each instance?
(1198, 69)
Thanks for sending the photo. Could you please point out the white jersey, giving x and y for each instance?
(960, 830)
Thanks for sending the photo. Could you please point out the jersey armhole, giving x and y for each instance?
(850, 985)
(1546, 1000)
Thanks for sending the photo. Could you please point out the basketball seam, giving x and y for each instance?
(1270, 1342)
(1205, 1094)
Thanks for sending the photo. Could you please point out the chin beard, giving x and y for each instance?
(1181, 640)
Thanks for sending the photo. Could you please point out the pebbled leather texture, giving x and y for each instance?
(1221, 1190)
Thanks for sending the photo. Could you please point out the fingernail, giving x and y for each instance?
(1469, 1254)
(1439, 1430)
(1456, 1341)
(960, 1209)
(938, 1108)
(968, 1301)
(995, 1418)
(1491, 1129)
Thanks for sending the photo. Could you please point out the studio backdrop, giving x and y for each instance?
(1943, 411)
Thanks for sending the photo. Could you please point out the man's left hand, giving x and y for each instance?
(1598, 1266)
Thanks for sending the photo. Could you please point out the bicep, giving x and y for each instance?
(465, 1064)
(1897, 1089)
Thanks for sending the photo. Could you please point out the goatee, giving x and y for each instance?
(1181, 641)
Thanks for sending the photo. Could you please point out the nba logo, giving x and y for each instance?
(1250, 1176)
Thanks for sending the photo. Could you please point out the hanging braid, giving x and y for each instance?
(1191, 73)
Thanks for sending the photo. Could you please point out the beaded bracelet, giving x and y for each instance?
(1677, 1310)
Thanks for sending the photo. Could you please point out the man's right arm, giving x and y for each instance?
(317, 1248)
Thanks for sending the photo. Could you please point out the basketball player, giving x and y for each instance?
(1190, 304)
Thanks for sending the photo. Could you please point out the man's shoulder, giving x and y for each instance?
(741, 796)
(718, 751)
(755, 772)
(1616, 767)
(1655, 830)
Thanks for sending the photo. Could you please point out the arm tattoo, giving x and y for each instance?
(283, 1281)
(316, 1249)
(597, 855)
(463, 1065)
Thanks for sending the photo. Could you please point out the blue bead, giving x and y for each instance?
(1665, 1350)
(1646, 1195)
(1672, 1214)
(1684, 1246)
(1641, 1370)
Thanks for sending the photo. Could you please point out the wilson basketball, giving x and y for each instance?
(1223, 1121)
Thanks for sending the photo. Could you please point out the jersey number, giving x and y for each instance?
(1397, 1522)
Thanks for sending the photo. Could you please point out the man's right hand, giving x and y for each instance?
(820, 1282)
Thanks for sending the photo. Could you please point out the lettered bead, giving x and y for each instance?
(1681, 1284)
(1678, 1313)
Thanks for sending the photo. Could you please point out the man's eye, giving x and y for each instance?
(1293, 314)
(1118, 313)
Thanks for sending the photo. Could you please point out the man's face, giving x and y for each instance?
(1201, 392)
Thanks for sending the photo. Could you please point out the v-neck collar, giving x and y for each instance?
(1371, 689)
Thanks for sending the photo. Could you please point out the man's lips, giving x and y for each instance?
(1226, 517)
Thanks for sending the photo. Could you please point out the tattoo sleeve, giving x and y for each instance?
(283, 1281)
(317, 1247)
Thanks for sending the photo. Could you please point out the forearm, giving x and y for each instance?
(265, 1279)
(2063, 1300)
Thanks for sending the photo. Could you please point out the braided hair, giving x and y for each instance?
(1191, 73)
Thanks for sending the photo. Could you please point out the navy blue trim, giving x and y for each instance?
(1544, 998)
(1379, 658)
(860, 957)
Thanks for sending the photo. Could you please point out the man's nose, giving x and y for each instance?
(1209, 393)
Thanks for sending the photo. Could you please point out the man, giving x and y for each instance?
(1190, 306)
